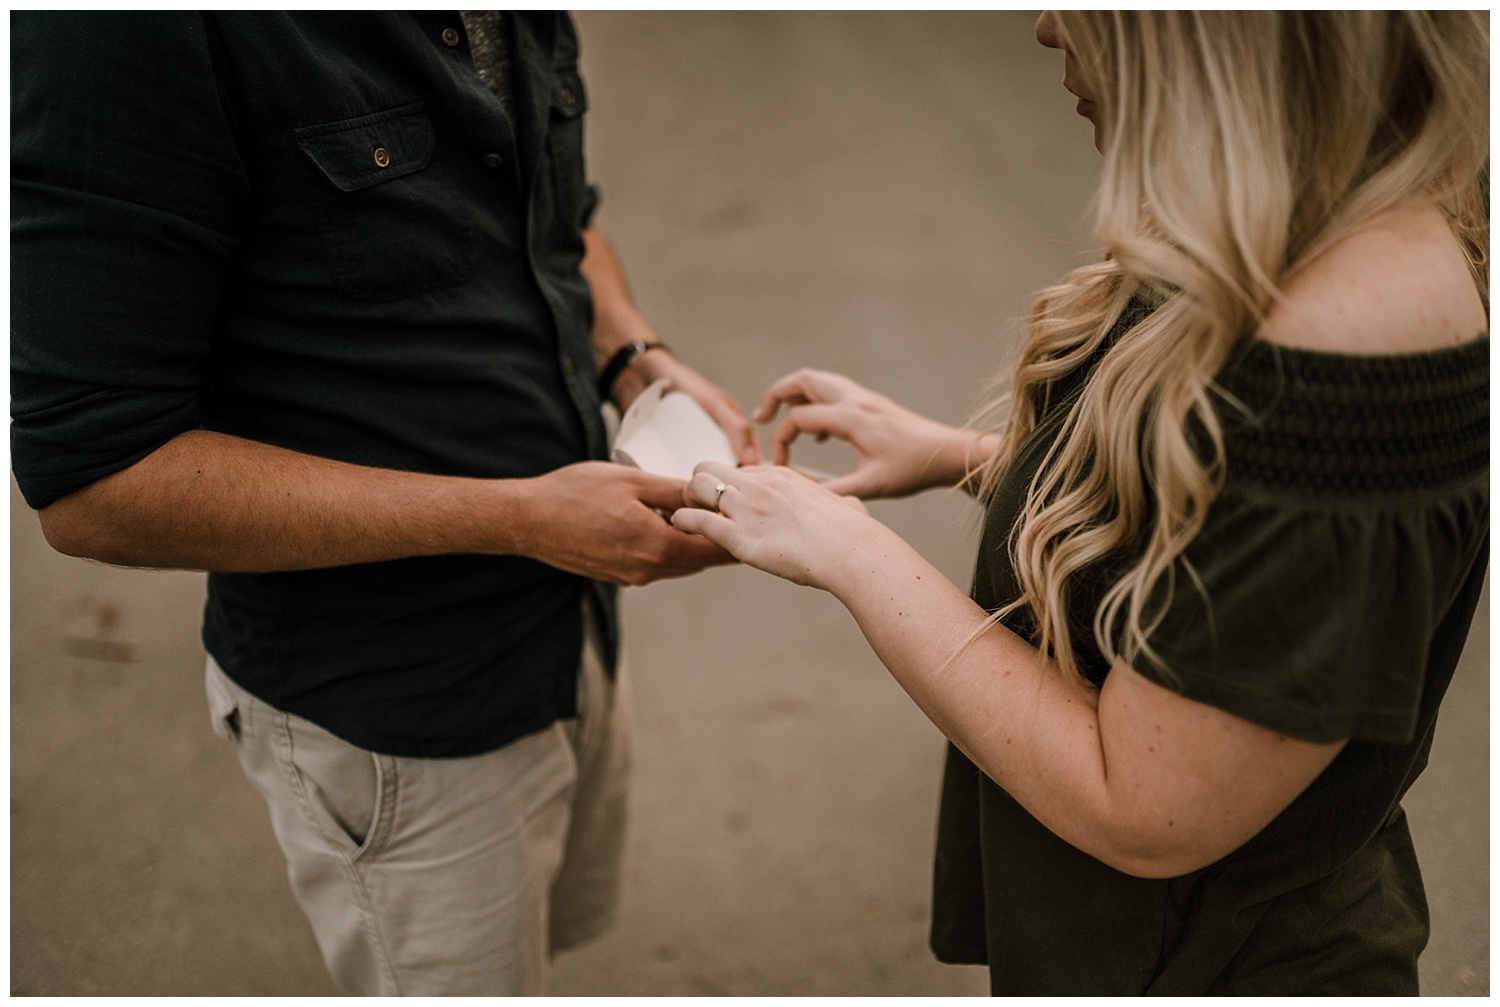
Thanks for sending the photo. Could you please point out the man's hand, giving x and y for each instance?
(654, 365)
(611, 522)
(618, 323)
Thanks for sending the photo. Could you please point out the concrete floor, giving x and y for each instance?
(875, 194)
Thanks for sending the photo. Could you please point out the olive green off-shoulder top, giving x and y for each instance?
(1340, 565)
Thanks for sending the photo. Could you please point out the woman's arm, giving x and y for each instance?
(897, 452)
(1150, 783)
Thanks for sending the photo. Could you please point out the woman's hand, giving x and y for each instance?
(777, 520)
(897, 452)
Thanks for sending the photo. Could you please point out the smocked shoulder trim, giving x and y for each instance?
(1339, 425)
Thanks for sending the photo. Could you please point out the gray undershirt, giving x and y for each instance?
(489, 48)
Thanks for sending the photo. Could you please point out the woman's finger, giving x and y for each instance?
(702, 490)
(820, 420)
(716, 469)
(773, 400)
(797, 388)
(713, 526)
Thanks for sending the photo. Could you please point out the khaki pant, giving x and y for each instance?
(445, 876)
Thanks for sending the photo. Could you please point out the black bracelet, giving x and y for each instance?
(619, 361)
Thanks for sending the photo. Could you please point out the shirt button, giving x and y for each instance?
(382, 157)
(569, 366)
(450, 36)
(568, 98)
(493, 160)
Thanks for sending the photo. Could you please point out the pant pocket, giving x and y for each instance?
(342, 789)
(223, 706)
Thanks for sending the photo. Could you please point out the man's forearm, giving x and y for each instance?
(617, 323)
(209, 501)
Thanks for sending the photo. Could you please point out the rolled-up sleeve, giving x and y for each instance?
(126, 195)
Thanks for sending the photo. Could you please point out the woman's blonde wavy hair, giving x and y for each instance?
(1237, 146)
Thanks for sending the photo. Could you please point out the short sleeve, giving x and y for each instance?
(126, 188)
(591, 198)
(1355, 507)
(1316, 621)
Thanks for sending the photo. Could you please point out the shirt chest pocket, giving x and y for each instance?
(392, 225)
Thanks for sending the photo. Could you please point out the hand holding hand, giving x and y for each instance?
(777, 520)
(601, 520)
(896, 451)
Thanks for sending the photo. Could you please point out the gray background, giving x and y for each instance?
(871, 193)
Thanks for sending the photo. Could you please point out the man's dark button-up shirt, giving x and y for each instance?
(323, 232)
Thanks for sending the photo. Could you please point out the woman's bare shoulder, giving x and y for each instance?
(1400, 284)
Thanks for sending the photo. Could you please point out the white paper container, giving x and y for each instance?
(667, 433)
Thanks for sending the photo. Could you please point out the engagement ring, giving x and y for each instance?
(719, 489)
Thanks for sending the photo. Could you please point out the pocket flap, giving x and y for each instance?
(369, 149)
